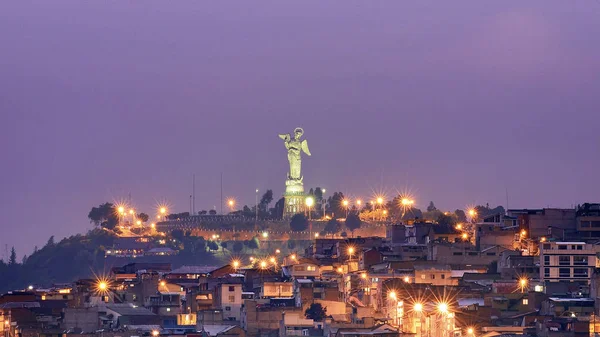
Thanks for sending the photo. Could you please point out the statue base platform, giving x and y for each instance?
(294, 198)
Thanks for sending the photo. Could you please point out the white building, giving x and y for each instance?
(567, 261)
(229, 299)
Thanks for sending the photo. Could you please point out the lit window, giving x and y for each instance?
(525, 301)
(423, 276)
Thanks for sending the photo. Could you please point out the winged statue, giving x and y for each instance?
(295, 148)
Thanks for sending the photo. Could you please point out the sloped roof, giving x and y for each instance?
(193, 270)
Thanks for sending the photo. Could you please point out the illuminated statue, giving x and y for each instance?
(295, 147)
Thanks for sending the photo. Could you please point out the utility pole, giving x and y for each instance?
(221, 193)
(194, 194)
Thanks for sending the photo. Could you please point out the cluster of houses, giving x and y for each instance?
(527, 272)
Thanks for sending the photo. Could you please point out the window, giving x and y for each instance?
(491, 254)
(311, 268)
(472, 253)
(525, 301)
(422, 276)
(299, 268)
(227, 308)
(580, 272)
(580, 260)
(231, 288)
(443, 276)
(562, 247)
(546, 246)
(564, 260)
(564, 272)
(457, 253)
(433, 276)
(546, 272)
(546, 260)
(579, 247)
(231, 298)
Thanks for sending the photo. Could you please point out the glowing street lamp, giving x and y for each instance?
(316, 235)
(465, 236)
(363, 276)
(523, 281)
(263, 264)
(379, 200)
(350, 252)
(265, 235)
(231, 204)
(235, 264)
(358, 202)
(163, 283)
(121, 209)
(155, 333)
(309, 201)
(163, 210)
(442, 308)
(406, 279)
(470, 330)
(418, 307)
(277, 251)
(392, 295)
(272, 260)
(293, 257)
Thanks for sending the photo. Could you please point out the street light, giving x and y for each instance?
(236, 264)
(309, 201)
(470, 330)
(231, 204)
(358, 202)
(350, 252)
(345, 202)
(406, 279)
(443, 308)
(363, 275)
(316, 235)
(293, 257)
(418, 307)
(265, 235)
(263, 264)
(523, 281)
(155, 333)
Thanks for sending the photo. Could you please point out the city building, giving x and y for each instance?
(567, 261)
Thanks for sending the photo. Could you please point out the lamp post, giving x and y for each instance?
(309, 201)
(346, 204)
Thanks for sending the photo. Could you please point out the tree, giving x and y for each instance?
(277, 211)
(238, 247)
(332, 227)
(432, 215)
(104, 216)
(202, 212)
(12, 260)
(449, 219)
(291, 244)
(224, 245)
(353, 221)
(460, 215)
(265, 200)
(336, 206)
(316, 312)
(212, 212)
(143, 217)
(50, 242)
(318, 194)
(177, 234)
(299, 223)
(344, 235)
(431, 207)
(213, 246)
(254, 243)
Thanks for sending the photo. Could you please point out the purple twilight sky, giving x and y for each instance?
(454, 101)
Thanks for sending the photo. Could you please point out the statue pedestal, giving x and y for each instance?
(294, 198)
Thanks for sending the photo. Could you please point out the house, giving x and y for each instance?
(568, 261)
(277, 289)
(434, 274)
(126, 314)
(228, 297)
(384, 330)
(303, 268)
(296, 325)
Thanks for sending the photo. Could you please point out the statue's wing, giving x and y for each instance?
(305, 147)
(284, 136)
